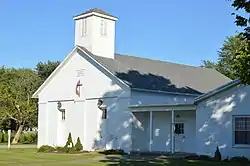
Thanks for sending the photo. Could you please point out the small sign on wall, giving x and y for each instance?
(80, 72)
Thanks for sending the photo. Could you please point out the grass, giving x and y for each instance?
(30, 157)
(6, 143)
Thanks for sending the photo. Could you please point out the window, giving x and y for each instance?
(83, 27)
(179, 128)
(242, 130)
(103, 27)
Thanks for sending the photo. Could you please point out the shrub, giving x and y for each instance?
(69, 141)
(71, 150)
(22, 138)
(217, 155)
(239, 159)
(78, 145)
(1, 137)
(205, 158)
(5, 137)
(192, 157)
(28, 137)
(34, 137)
(114, 151)
(12, 135)
(62, 149)
(46, 148)
(197, 157)
(66, 149)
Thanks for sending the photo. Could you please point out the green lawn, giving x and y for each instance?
(16, 157)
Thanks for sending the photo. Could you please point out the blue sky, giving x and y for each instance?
(185, 32)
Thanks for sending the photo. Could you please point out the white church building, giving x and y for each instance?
(114, 101)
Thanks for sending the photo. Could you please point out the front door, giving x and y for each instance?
(179, 136)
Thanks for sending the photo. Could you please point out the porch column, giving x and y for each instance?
(172, 132)
(150, 131)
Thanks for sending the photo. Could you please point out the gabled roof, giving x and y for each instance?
(62, 64)
(95, 10)
(155, 75)
(57, 70)
(217, 90)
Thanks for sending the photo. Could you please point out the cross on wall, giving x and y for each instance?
(78, 88)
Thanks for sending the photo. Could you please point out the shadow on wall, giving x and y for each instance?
(216, 128)
(114, 131)
(152, 82)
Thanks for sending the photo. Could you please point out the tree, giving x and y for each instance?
(44, 69)
(240, 18)
(241, 60)
(78, 145)
(16, 89)
(69, 141)
(209, 64)
(227, 52)
(241, 63)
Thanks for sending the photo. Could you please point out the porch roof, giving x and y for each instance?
(162, 107)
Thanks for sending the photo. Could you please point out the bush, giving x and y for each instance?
(22, 138)
(239, 159)
(66, 149)
(192, 157)
(5, 137)
(34, 137)
(28, 137)
(1, 137)
(69, 141)
(114, 151)
(217, 155)
(197, 157)
(78, 145)
(62, 149)
(46, 148)
(12, 135)
(206, 158)
(71, 150)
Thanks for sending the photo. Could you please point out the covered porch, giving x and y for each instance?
(164, 128)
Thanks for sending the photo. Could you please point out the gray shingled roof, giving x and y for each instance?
(143, 73)
(96, 10)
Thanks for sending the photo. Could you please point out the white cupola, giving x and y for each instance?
(95, 30)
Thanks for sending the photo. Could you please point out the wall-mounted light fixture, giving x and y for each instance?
(102, 107)
(59, 107)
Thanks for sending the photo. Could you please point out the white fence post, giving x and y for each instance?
(9, 136)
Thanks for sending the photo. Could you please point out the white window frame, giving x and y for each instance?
(103, 27)
(234, 129)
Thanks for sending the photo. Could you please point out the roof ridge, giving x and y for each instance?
(157, 60)
(95, 10)
(217, 90)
